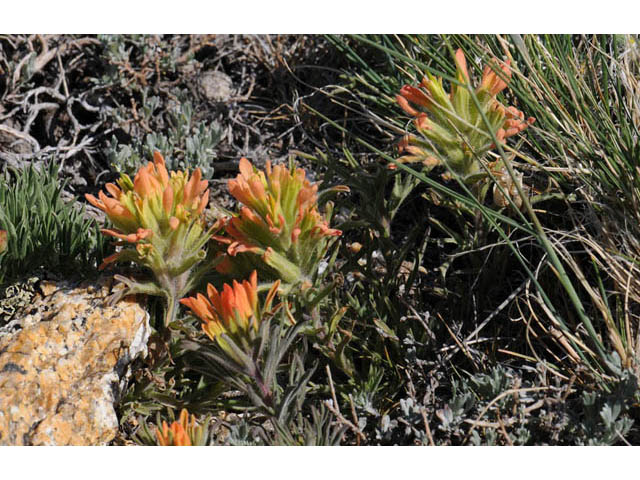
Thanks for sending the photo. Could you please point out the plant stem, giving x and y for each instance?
(172, 309)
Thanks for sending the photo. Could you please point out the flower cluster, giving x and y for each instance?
(451, 127)
(155, 210)
(3, 240)
(279, 229)
(234, 312)
(161, 215)
(184, 432)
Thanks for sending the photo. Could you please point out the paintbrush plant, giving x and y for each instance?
(232, 314)
(159, 223)
(251, 350)
(455, 129)
(278, 230)
(184, 432)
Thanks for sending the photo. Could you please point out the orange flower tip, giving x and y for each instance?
(267, 254)
(142, 183)
(158, 159)
(204, 201)
(211, 290)
(246, 169)
(422, 122)
(248, 214)
(143, 233)
(233, 249)
(221, 239)
(233, 186)
(295, 234)
(94, 201)
(431, 162)
(110, 259)
(404, 104)
(174, 223)
(267, 167)
(462, 65)
(197, 176)
(113, 233)
(237, 247)
(113, 190)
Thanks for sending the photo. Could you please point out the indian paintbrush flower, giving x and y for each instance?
(184, 432)
(159, 222)
(450, 127)
(278, 229)
(234, 312)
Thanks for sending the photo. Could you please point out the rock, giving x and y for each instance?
(63, 364)
(216, 86)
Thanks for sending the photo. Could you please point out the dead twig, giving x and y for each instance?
(334, 408)
(427, 429)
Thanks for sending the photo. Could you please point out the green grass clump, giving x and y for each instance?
(42, 229)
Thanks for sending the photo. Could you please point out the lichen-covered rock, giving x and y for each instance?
(63, 360)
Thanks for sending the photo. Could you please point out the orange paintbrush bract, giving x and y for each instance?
(158, 219)
(235, 311)
(451, 128)
(155, 203)
(184, 432)
(278, 224)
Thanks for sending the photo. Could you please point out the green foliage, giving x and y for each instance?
(186, 143)
(274, 386)
(43, 230)
(479, 256)
(150, 92)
